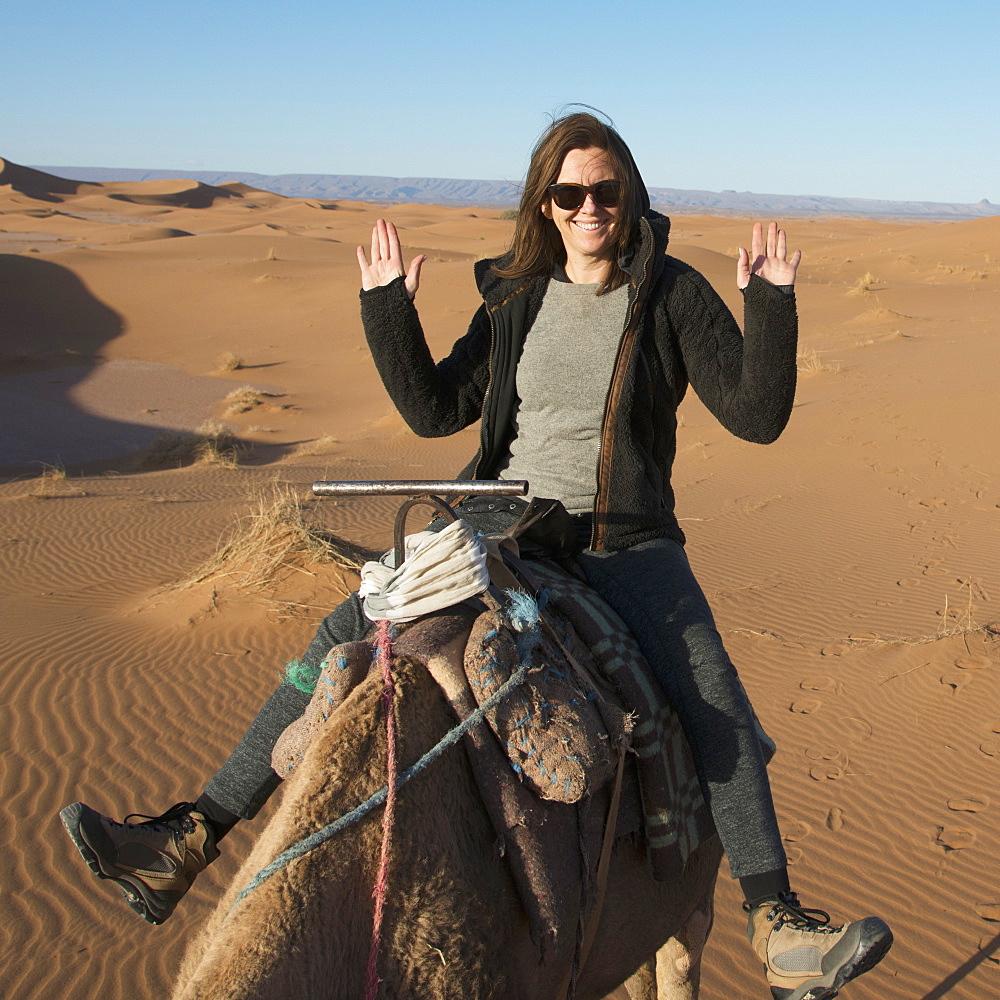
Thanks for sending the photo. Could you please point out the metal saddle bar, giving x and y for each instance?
(422, 488)
(420, 491)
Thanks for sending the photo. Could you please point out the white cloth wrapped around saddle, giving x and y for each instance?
(441, 568)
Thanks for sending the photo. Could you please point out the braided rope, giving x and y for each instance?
(383, 649)
(332, 829)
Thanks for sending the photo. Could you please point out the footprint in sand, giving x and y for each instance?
(988, 911)
(973, 662)
(828, 771)
(909, 582)
(794, 854)
(819, 684)
(990, 747)
(796, 831)
(805, 706)
(995, 726)
(835, 819)
(837, 649)
(954, 839)
(969, 805)
(856, 730)
(827, 751)
(955, 680)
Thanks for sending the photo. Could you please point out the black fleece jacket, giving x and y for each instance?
(678, 332)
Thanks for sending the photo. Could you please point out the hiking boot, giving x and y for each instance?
(804, 957)
(153, 862)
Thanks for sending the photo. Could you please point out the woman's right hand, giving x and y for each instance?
(387, 261)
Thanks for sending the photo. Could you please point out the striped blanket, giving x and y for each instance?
(676, 818)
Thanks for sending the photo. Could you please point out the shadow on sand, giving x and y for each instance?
(53, 375)
(951, 981)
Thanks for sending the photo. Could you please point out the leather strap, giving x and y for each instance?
(603, 866)
(605, 861)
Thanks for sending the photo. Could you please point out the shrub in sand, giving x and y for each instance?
(271, 539)
(864, 284)
(228, 362)
(51, 483)
(809, 363)
(319, 446)
(213, 443)
(243, 399)
(217, 445)
(246, 397)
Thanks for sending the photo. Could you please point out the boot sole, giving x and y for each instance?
(72, 817)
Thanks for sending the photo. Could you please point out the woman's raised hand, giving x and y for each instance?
(387, 261)
(767, 261)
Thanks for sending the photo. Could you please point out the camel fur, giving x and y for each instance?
(454, 926)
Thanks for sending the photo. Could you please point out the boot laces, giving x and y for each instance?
(787, 910)
(179, 811)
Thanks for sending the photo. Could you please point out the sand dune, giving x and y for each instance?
(171, 194)
(146, 233)
(36, 183)
(853, 565)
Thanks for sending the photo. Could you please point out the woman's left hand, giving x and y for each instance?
(768, 262)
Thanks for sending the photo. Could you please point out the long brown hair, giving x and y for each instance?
(536, 246)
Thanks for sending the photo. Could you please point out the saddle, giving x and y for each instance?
(547, 760)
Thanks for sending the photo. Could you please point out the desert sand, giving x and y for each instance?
(854, 565)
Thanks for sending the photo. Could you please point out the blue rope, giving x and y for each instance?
(332, 829)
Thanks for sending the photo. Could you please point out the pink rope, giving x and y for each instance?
(383, 659)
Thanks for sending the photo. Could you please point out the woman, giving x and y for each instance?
(585, 344)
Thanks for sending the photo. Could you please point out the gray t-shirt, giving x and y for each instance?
(563, 379)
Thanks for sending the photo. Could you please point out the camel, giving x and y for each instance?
(454, 926)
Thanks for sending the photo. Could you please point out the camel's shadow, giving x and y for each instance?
(62, 402)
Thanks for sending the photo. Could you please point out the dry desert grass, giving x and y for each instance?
(246, 398)
(809, 362)
(271, 540)
(52, 483)
(229, 362)
(322, 445)
(213, 443)
(864, 285)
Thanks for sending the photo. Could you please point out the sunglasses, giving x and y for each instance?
(569, 197)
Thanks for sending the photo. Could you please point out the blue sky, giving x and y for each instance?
(896, 101)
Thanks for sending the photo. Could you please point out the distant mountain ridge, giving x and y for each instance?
(504, 194)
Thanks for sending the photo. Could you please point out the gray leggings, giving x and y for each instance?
(652, 588)
(245, 782)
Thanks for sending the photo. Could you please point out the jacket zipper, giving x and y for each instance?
(609, 419)
(486, 399)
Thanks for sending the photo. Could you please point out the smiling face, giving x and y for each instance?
(587, 232)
